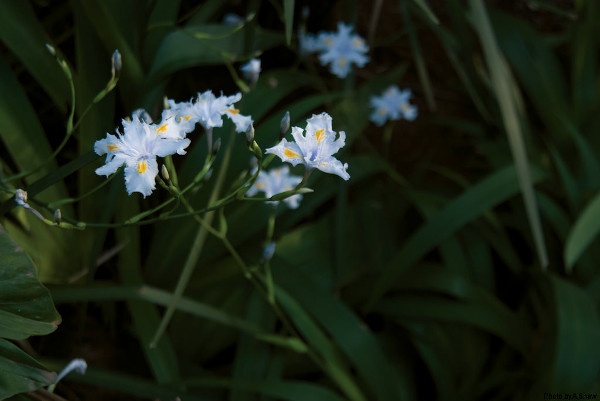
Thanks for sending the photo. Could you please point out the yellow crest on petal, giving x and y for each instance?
(233, 111)
(111, 147)
(320, 135)
(291, 154)
(142, 167)
(162, 128)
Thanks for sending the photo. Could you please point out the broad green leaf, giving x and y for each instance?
(26, 307)
(20, 373)
(473, 203)
(207, 45)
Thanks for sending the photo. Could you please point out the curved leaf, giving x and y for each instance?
(577, 350)
(23, 33)
(206, 45)
(20, 373)
(26, 307)
(582, 234)
(474, 202)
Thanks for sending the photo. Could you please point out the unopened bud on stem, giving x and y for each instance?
(250, 134)
(165, 172)
(57, 216)
(284, 126)
(116, 63)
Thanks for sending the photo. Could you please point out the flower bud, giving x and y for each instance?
(217, 146)
(116, 62)
(268, 251)
(21, 197)
(250, 134)
(284, 125)
(51, 49)
(57, 216)
(165, 172)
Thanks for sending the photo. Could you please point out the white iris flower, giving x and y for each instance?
(276, 181)
(137, 148)
(208, 111)
(251, 70)
(393, 104)
(341, 49)
(316, 148)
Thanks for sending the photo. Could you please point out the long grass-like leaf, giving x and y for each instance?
(474, 202)
(331, 361)
(418, 56)
(583, 232)
(22, 32)
(576, 348)
(288, 14)
(505, 88)
(357, 342)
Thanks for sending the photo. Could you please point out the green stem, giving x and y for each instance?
(196, 249)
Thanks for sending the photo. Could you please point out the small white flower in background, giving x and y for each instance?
(117, 63)
(308, 43)
(231, 19)
(268, 251)
(78, 365)
(340, 50)
(276, 181)
(251, 70)
(137, 148)
(316, 148)
(21, 198)
(392, 105)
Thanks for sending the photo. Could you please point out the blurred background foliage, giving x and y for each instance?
(459, 262)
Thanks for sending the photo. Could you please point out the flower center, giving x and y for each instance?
(142, 167)
(320, 135)
(162, 128)
(291, 154)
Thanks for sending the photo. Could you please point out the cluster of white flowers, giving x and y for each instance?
(338, 49)
(142, 141)
(392, 105)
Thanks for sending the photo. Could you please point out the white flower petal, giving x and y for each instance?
(140, 176)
